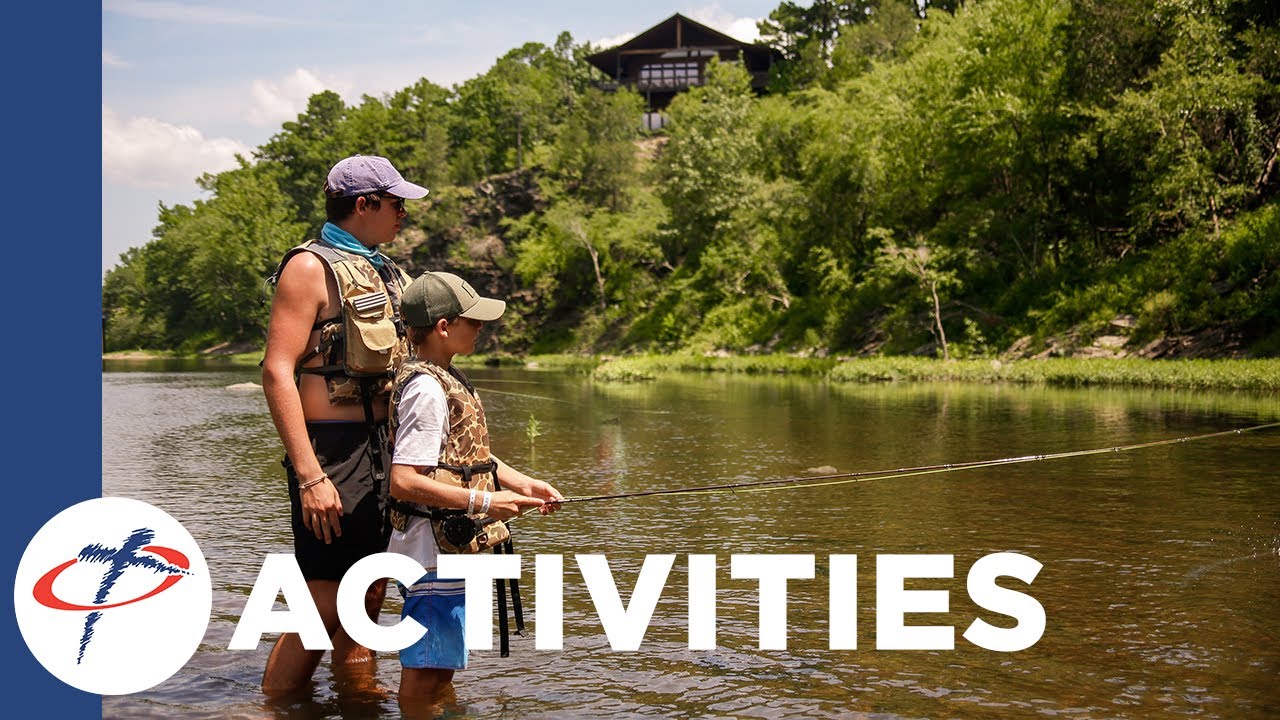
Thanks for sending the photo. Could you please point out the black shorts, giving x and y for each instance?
(344, 451)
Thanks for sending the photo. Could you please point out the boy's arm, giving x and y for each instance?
(415, 484)
(512, 479)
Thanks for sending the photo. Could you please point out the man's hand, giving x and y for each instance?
(322, 510)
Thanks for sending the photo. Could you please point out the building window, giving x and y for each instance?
(669, 75)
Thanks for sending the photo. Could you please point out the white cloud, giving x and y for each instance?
(190, 13)
(146, 152)
(738, 28)
(276, 102)
(609, 42)
(110, 59)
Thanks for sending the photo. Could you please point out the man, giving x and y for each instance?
(334, 343)
(449, 493)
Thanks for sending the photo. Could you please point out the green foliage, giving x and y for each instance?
(203, 279)
(884, 36)
(305, 149)
(959, 177)
(704, 169)
(1189, 133)
(595, 152)
(498, 118)
(934, 270)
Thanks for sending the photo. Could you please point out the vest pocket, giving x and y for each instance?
(370, 342)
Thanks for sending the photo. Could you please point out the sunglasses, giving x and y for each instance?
(396, 202)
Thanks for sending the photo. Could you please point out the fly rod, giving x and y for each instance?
(867, 475)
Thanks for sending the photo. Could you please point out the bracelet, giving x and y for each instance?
(488, 497)
(313, 483)
(471, 502)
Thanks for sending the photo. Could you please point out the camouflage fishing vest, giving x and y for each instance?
(363, 346)
(464, 460)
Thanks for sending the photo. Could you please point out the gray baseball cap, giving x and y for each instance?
(361, 174)
(436, 295)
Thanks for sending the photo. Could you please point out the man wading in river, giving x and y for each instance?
(333, 345)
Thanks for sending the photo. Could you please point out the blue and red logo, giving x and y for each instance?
(113, 596)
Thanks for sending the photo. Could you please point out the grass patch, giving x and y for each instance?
(1260, 375)
(561, 363)
(239, 359)
(1257, 375)
(647, 367)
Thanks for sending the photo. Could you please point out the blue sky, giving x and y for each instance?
(186, 86)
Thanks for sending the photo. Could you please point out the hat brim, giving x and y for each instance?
(485, 309)
(407, 190)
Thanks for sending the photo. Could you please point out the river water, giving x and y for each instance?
(1160, 578)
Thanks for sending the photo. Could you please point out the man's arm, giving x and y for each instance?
(302, 291)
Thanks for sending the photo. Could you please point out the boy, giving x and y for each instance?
(447, 488)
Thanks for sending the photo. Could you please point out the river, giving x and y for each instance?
(1160, 577)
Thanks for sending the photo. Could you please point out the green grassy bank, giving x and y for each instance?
(1255, 375)
(1261, 375)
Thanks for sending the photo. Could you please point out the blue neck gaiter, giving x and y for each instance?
(344, 240)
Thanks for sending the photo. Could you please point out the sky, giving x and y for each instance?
(188, 86)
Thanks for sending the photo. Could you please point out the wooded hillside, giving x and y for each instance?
(1017, 177)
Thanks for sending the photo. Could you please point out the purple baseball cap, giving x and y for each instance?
(361, 174)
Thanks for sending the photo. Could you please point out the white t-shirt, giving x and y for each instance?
(420, 436)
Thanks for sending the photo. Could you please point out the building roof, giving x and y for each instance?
(675, 33)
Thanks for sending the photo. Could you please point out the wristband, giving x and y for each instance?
(488, 498)
(471, 502)
(312, 483)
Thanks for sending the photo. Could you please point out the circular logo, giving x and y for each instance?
(112, 596)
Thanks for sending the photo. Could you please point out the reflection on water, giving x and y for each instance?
(1161, 567)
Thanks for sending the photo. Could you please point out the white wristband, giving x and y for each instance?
(471, 503)
(488, 498)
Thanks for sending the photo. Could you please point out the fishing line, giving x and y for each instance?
(558, 400)
(868, 475)
(522, 395)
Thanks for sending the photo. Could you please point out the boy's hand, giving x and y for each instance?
(548, 494)
(507, 504)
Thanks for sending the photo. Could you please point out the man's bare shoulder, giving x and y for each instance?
(302, 267)
(305, 281)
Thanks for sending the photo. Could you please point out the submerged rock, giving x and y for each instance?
(821, 470)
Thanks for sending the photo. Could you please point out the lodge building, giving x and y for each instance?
(672, 56)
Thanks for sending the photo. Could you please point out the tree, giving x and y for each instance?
(202, 280)
(1191, 134)
(595, 151)
(238, 238)
(516, 105)
(305, 149)
(704, 167)
(930, 268)
(882, 37)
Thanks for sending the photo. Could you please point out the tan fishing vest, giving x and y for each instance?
(366, 343)
(464, 461)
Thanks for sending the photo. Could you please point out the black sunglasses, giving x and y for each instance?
(396, 202)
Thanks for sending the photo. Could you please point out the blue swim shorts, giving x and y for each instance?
(440, 607)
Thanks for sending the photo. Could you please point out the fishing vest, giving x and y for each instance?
(362, 346)
(464, 462)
